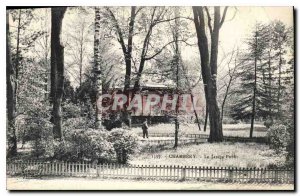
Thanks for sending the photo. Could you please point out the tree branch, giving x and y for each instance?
(209, 20)
(119, 31)
(187, 18)
(224, 15)
(166, 20)
(157, 53)
(140, 8)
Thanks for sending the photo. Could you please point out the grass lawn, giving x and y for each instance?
(241, 130)
(225, 154)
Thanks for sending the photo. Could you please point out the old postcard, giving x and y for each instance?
(150, 98)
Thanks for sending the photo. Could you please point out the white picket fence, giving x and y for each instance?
(171, 141)
(157, 138)
(222, 174)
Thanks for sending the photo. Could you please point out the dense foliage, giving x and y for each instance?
(96, 146)
(125, 144)
(90, 145)
(265, 74)
(279, 136)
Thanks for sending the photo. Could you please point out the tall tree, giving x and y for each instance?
(176, 61)
(42, 47)
(57, 69)
(10, 100)
(146, 25)
(280, 40)
(263, 74)
(157, 16)
(209, 64)
(97, 68)
(23, 39)
(17, 60)
(126, 48)
(78, 44)
(253, 79)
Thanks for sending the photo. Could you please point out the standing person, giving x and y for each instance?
(145, 128)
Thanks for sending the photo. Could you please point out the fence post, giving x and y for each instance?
(142, 171)
(97, 170)
(63, 168)
(183, 173)
(276, 175)
(230, 170)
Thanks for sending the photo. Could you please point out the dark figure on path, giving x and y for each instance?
(145, 129)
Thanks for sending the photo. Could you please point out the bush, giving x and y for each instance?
(41, 137)
(290, 158)
(91, 145)
(70, 110)
(125, 144)
(279, 137)
(113, 121)
(35, 127)
(77, 123)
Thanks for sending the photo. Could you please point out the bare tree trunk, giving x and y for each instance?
(223, 104)
(128, 54)
(46, 80)
(17, 60)
(97, 69)
(215, 43)
(195, 112)
(47, 68)
(128, 58)
(57, 69)
(225, 97)
(216, 134)
(209, 70)
(254, 94)
(139, 75)
(177, 61)
(127, 50)
(279, 84)
(176, 109)
(206, 118)
(270, 83)
(81, 60)
(176, 132)
(10, 101)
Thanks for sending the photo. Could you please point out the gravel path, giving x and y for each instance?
(117, 184)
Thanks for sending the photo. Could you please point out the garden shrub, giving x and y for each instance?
(125, 144)
(22, 129)
(41, 137)
(279, 137)
(290, 158)
(85, 144)
(77, 123)
(33, 126)
(70, 110)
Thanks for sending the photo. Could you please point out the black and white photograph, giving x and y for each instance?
(150, 98)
